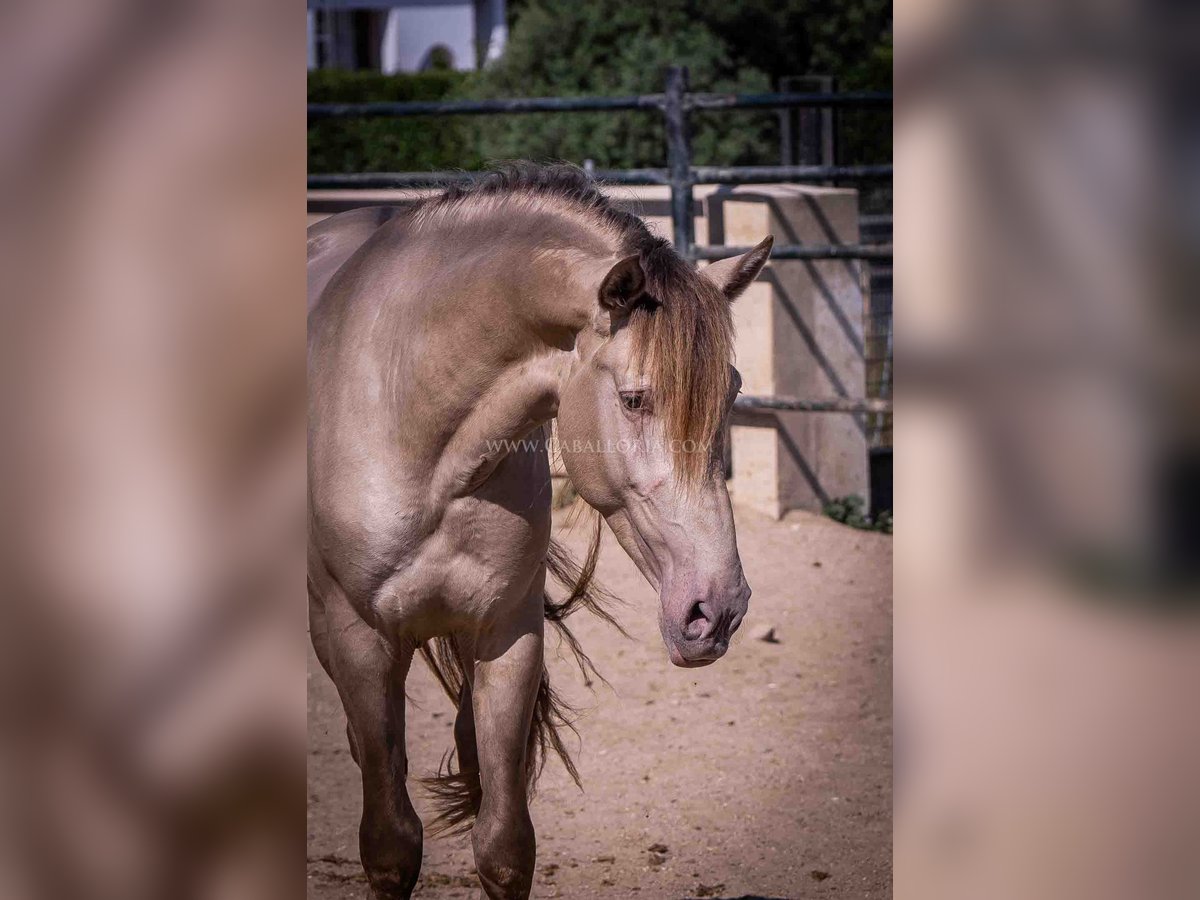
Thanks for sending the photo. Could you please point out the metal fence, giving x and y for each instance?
(675, 104)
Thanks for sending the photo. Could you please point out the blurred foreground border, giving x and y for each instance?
(1047, 642)
(151, 163)
(153, 634)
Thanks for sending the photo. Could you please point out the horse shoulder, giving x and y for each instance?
(332, 241)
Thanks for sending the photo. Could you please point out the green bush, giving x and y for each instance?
(617, 48)
(851, 511)
(388, 145)
(600, 48)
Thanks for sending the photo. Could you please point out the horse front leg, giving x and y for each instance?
(370, 680)
(508, 673)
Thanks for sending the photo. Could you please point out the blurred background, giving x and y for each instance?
(1045, 580)
(152, 154)
(152, 639)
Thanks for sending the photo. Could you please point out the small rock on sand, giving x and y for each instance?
(766, 634)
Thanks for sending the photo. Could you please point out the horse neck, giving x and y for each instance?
(504, 345)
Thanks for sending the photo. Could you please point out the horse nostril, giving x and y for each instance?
(698, 621)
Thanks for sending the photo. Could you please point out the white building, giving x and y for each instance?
(404, 35)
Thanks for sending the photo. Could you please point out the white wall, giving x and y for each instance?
(312, 40)
(412, 31)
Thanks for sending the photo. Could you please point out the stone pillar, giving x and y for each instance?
(390, 61)
(496, 32)
(800, 333)
(312, 40)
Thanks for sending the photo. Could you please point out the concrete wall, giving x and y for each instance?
(800, 333)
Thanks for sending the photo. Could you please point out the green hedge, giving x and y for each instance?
(388, 145)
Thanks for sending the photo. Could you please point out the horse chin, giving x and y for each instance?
(684, 662)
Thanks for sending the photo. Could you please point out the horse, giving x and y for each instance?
(443, 340)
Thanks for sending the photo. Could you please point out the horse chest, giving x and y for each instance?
(480, 558)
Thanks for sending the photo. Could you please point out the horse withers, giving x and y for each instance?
(443, 339)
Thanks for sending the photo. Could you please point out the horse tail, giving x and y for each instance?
(583, 593)
(552, 715)
(455, 796)
(456, 793)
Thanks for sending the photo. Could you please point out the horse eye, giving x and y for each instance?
(633, 400)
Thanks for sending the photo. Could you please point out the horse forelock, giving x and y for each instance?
(684, 340)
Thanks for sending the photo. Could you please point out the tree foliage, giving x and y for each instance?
(614, 47)
(848, 39)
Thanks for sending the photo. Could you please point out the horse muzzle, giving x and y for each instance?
(700, 631)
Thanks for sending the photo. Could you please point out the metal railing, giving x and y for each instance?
(675, 104)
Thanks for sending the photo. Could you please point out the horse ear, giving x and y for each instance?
(623, 285)
(733, 275)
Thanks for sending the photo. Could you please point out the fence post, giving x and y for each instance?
(808, 134)
(679, 158)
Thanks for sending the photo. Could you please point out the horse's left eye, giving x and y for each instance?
(633, 400)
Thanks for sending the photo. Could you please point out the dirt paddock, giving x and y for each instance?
(766, 775)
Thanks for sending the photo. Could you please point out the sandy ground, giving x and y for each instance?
(766, 775)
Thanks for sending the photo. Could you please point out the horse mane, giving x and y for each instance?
(682, 328)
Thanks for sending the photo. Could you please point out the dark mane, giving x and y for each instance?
(683, 330)
(558, 181)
